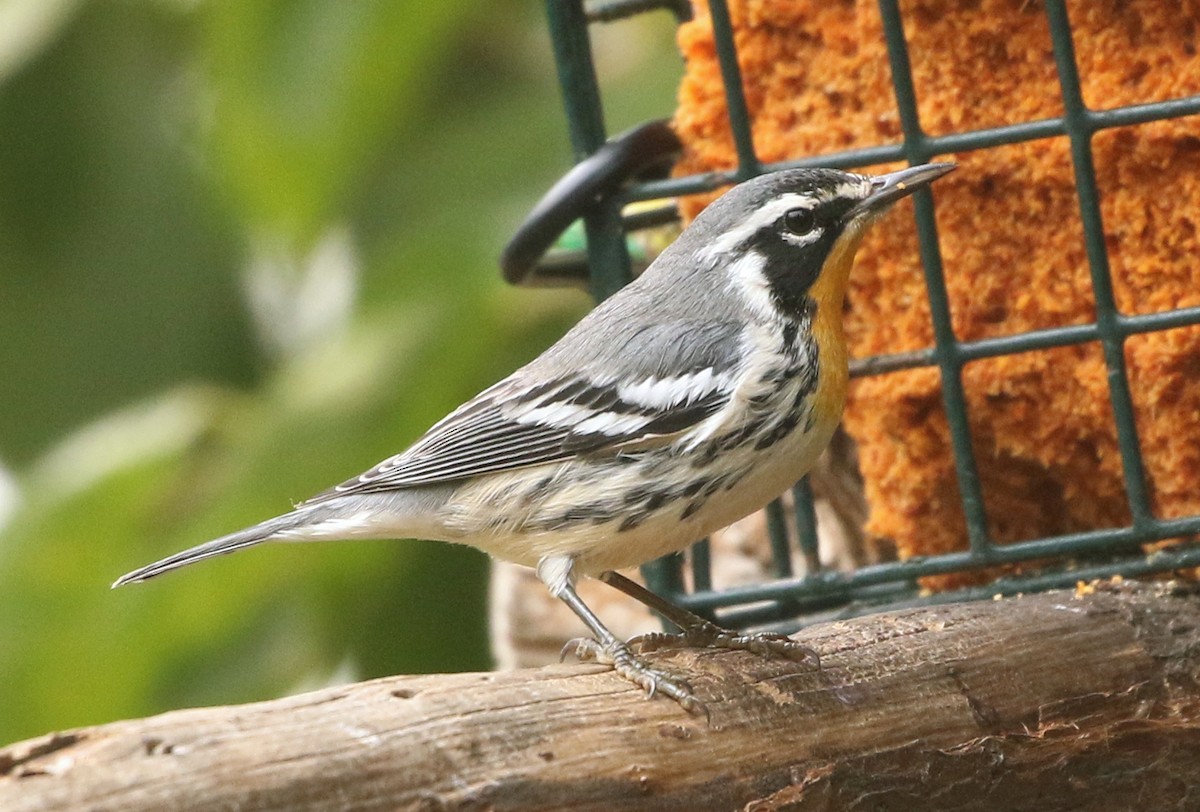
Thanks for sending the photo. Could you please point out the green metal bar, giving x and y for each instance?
(787, 622)
(1077, 334)
(806, 524)
(1026, 342)
(708, 181)
(576, 75)
(701, 554)
(935, 145)
(828, 582)
(735, 96)
(1112, 340)
(611, 10)
(607, 254)
(946, 345)
(890, 362)
(781, 553)
(995, 136)
(1153, 322)
(1051, 127)
(1132, 114)
(665, 577)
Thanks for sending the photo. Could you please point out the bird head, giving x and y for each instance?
(787, 239)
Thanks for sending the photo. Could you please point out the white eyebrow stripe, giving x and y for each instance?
(761, 217)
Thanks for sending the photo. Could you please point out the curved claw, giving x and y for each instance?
(628, 665)
(579, 647)
(693, 705)
(779, 645)
(652, 641)
(710, 635)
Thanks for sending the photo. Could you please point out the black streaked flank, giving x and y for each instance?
(810, 420)
(790, 331)
(590, 513)
(631, 521)
(733, 480)
(656, 501)
(637, 494)
(780, 430)
(669, 422)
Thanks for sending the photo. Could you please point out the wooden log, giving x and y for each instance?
(1060, 700)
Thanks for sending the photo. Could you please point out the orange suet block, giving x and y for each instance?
(817, 80)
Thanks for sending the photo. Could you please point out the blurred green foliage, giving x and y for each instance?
(247, 249)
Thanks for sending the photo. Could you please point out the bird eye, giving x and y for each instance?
(799, 221)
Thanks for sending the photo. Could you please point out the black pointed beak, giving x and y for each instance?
(887, 189)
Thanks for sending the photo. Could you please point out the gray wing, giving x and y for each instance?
(660, 380)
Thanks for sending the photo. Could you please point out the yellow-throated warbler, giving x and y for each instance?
(685, 401)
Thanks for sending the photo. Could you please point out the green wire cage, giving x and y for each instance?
(787, 600)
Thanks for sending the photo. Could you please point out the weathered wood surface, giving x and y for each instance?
(1050, 701)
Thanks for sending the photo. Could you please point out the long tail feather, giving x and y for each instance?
(408, 513)
(257, 534)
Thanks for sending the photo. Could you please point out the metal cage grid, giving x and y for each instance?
(787, 600)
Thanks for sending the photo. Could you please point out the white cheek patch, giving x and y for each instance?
(747, 279)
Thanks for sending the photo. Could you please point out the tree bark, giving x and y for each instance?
(1085, 699)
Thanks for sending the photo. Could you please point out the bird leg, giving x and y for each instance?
(556, 573)
(696, 632)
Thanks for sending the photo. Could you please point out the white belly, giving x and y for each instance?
(498, 516)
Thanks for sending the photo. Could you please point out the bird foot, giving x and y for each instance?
(710, 635)
(628, 665)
